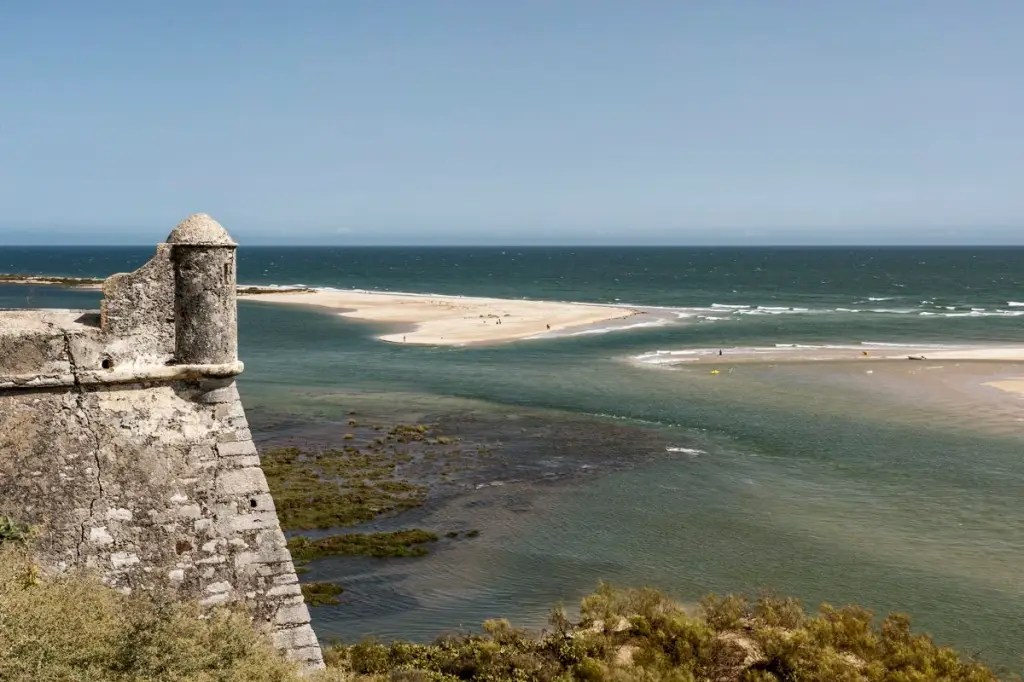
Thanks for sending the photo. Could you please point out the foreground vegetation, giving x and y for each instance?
(73, 628)
(628, 635)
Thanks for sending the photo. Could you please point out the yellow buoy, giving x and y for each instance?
(714, 371)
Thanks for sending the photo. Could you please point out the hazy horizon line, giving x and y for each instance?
(547, 246)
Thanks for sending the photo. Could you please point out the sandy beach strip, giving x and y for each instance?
(866, 352)
(92, 283)
(458, 320)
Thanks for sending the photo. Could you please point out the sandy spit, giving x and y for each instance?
(461, 320)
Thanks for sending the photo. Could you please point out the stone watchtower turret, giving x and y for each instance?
(124, 442)
(205, 310)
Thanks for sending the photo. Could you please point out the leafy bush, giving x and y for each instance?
(641, 635)
(72, 628)
(12, 532)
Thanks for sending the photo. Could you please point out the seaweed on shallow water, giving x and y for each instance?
(400, 543)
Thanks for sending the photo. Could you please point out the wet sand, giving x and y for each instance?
(834, 353)
(461, 320)
(1014, 386)
(970, 386)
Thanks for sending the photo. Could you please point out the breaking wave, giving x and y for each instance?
(686, 451)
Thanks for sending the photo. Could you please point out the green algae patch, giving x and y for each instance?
(336, 487)
(321, 593)
(401, 543)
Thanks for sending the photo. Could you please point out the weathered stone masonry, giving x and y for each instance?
(123, 439)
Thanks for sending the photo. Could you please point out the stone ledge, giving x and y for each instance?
(127, 376)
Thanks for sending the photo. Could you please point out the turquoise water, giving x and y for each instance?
(803, 480)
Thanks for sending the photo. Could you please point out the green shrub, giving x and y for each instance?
(12, 532)
(724, 613)
(642, 636)
(72, 628)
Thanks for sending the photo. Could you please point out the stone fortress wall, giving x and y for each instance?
(124, 442)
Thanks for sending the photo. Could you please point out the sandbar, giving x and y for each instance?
(93, 283)
(462, 320)
(1014, 386)
(783, 353)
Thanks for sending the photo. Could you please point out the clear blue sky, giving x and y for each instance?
(485, 122)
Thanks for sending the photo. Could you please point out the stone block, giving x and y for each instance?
(218, 588)
(236, 448)
(257, 521)
(295, 638)
(229, 410)
(242, 481)
(100, 537)
(225, 394)
(311, 657)
(215, 600)
(289, 590)
(119, 560)
(295, 614)
(115, 514)
(240, 462)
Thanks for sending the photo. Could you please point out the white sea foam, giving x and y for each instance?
(275, 286)
(686, 451)
(880, 298)
(802, 345)
(1015, 304)
(986, 313)
(660, 357)
(773, 310)
(934, 346)
(660, 322)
